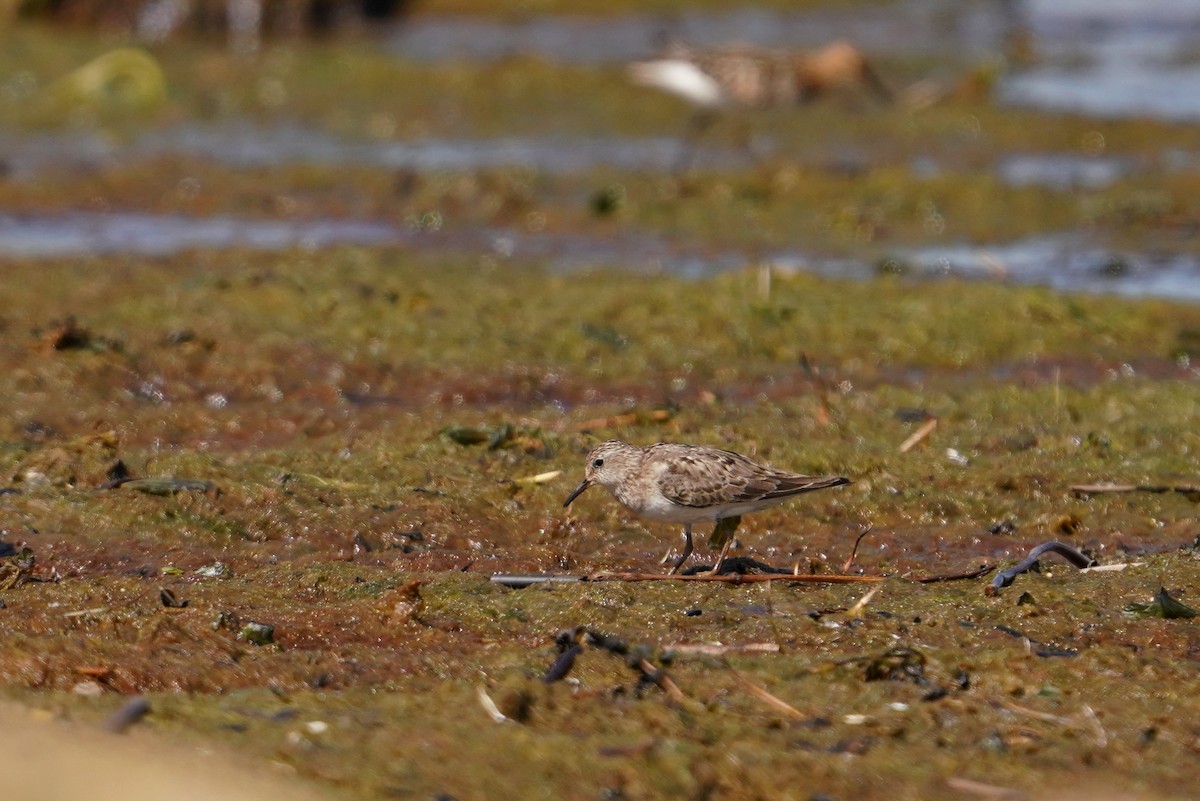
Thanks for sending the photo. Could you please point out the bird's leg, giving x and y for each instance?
(687, 550)
(746, 144)
(869, 77)
(716, 569)
(723, 535)
(697, 125)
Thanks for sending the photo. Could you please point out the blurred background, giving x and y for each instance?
(1020, 140)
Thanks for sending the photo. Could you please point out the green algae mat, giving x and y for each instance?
(269, 492)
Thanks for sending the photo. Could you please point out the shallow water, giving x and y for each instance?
(83, 233)
(247, 145)
(1111, 58)
(1058, 171)
(911, 26)
(1110, 90)
(1067, 262)
(244, 144)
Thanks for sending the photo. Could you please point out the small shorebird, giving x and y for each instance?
(747, 76)
(689, 483)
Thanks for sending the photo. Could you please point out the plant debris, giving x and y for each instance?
(901, 663)
(257, 633)
(1006, 577)
(571, 642)
(17, 569)
(168, 599)
(128, 714)
(1190, 491)
(167, 486)
(215, 570)
(1163, 606)
(918, 435)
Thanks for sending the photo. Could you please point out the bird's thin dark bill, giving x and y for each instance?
(578, 491)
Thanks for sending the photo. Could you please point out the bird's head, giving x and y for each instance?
(607, 465)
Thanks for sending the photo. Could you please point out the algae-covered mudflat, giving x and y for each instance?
(300, 348)
(322, 394)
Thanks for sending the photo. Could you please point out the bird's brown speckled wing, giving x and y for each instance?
(702, 477)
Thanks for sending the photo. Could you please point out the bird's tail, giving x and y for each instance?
(797, 485)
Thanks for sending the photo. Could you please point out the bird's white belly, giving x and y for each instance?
(660, 509)
(656, 507)
(680, 77)
(653, 506)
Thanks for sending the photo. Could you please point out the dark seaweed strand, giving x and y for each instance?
(1006, 577)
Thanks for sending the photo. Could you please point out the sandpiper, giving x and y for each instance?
(748, 76)
(686, 484)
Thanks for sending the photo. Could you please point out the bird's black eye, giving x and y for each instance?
(598, 463)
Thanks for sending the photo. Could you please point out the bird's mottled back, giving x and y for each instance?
(701, 477)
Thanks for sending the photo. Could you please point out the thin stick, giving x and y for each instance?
(1098, 489)
(489, 706)
(1045, 717)
(1089, 716)
(1057, 392)
(767, 697)
(540, 478)
(983, 570)
(1086, 719)
(832, 578)
(918, 435)
(709, 649)
(854, 552)
(660, 677)
(1109, 568)
(861, 603)
(85, 612)
(982, 789)
(518, 580)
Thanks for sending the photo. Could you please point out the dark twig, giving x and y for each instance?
(519, 581)
(129, 713)
(819, 578)
(562, 666)
(854, 551)
(571, 643)
(983, 570)
(1006, 577)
